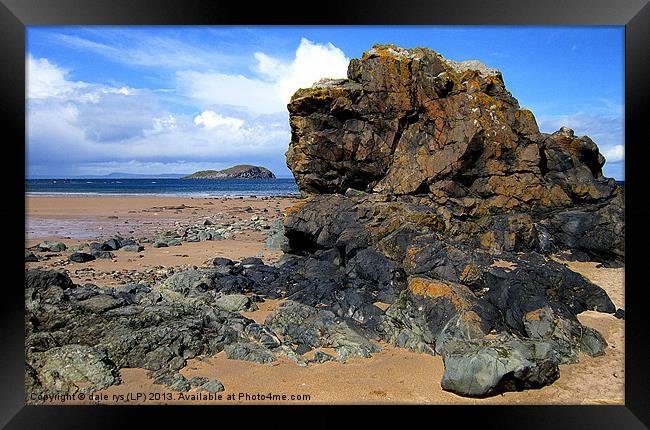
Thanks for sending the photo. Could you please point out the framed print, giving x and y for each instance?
(326, 207)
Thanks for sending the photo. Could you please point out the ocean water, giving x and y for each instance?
(164, 187)
(168, 187)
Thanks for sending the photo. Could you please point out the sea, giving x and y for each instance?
(168, 187)
(164, 187)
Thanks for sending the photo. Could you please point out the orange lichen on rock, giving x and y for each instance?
(296, 208)
(432, 288)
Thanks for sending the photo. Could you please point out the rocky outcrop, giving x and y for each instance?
(415, 126)
(426, 180)
(241, 171)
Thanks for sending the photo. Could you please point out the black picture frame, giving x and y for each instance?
(16, 15)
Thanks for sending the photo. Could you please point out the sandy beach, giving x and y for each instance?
(393, 375)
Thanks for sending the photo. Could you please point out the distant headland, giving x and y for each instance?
(241, 171)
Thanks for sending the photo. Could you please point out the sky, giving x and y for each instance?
(178, 99)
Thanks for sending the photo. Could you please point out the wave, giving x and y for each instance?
(169, 194)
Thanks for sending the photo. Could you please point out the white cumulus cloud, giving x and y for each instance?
(45, 79)
(211, 119)
(72, 126)
(227, 118)
(615, 153)
(275, 81)
(311, 63)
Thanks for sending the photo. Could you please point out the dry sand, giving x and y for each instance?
(391, 376)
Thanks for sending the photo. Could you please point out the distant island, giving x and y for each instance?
(241, 171)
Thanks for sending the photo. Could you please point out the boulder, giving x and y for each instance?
(234, 303)
(111, 245)
(212, 386)
(103, 254)
(478, 368)
(249, 351)
(429, 311)
(305, 325)
(52, 246)
(133, 248)
(322, 357)
(72, 369)
(81, 257)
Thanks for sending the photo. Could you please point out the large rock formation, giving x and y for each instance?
(427, 180)
(420, 129)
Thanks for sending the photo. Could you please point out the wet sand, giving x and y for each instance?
(391, 376)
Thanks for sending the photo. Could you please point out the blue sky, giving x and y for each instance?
(180, 99)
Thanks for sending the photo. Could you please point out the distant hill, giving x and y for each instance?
(241, 171)
(114, 175)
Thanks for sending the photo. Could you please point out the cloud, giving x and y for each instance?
(312, 63)
(44, 79)
(74, 125)
(211, 119)
(615, 153)
(275, 83)
(144, 50)
(220, 118)
(212, 88)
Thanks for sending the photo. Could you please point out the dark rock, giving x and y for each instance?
(256, 298)
(322, 357)
(133, 248)
(234, 303)
(221, 261)
(180, 384)
(478, 368)
(30, 257)
(592, 342)
(620, 313)
(248, 351)
(196, 381)
(212, 386)
(111, 245)
(101, 303)
(251, 261)
(103, 254)
(40, 280)
(262, 335)
(299, 324)
(51, 246)
(95, 246)
(188, 287)
(81, 257)
(303, 349)
(72, 369)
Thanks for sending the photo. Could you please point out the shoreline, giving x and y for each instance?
(171, 195)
